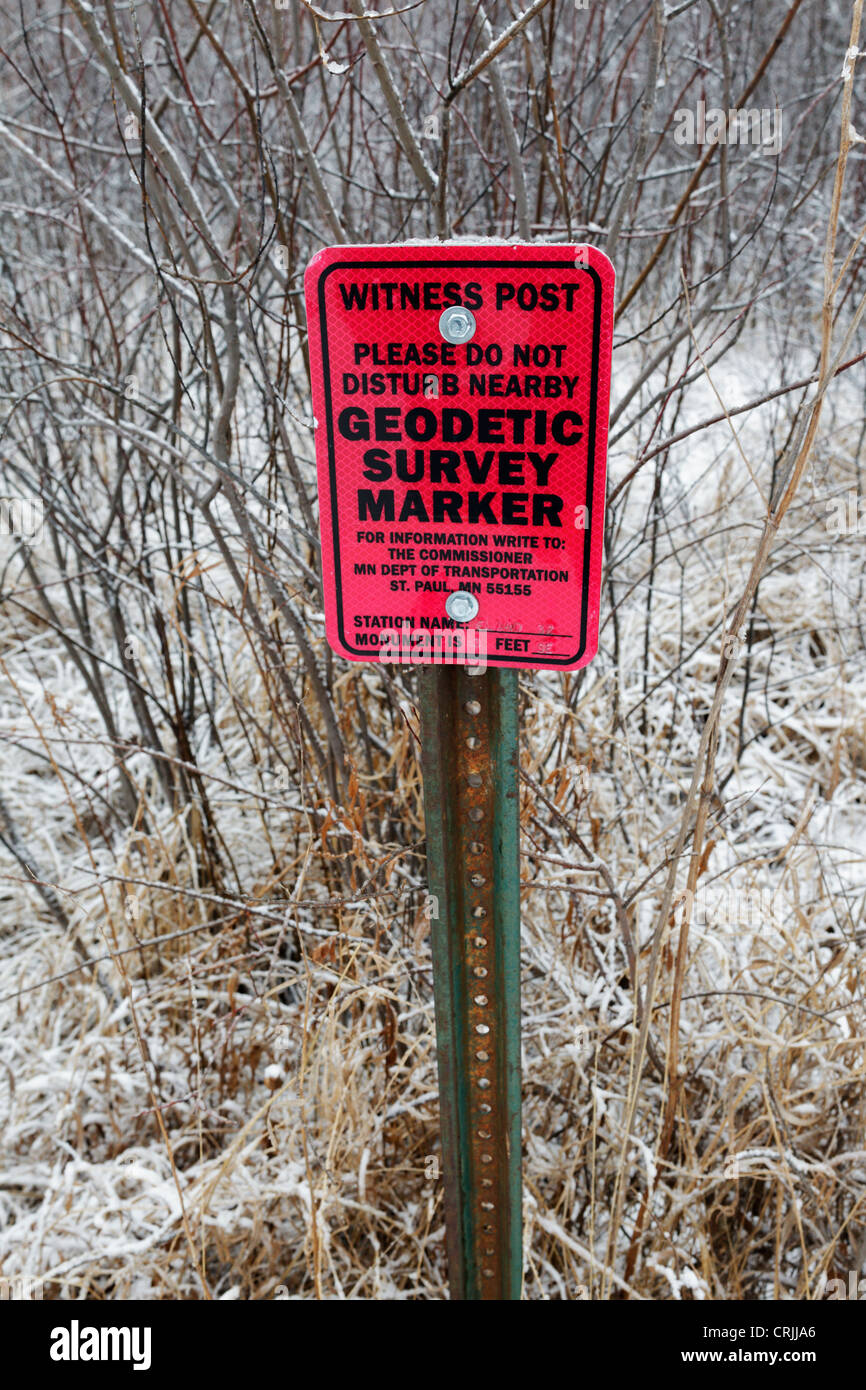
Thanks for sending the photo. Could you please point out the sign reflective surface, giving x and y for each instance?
(461, 396)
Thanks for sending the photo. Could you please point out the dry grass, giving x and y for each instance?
(217, 1076)
(241, 1102)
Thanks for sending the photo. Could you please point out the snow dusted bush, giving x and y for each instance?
(218, 1068)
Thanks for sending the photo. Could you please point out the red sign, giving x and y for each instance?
(461, 396)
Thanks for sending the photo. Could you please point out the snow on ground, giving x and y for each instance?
(245, 1105)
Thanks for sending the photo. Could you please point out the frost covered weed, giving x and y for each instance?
(228, 1089)
(218, 1071)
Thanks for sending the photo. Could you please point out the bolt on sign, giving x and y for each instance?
(461, 396)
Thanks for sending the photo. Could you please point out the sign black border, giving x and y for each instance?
(463, 264)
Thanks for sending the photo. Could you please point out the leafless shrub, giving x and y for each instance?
(220, 1078)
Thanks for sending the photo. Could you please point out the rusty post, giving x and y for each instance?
(469, 761)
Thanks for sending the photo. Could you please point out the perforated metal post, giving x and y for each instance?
(469, 761)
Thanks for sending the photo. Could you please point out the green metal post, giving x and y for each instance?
(469, 760)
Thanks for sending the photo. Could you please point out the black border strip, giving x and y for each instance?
(546, 263)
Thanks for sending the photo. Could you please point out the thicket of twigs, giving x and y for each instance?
(218, 1068)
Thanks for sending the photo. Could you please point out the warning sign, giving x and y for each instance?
(461, 396)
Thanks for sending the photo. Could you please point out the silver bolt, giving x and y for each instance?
(461, 606)
(457, 325)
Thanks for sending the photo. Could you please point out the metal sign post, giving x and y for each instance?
(461, 401)
(469, 761)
